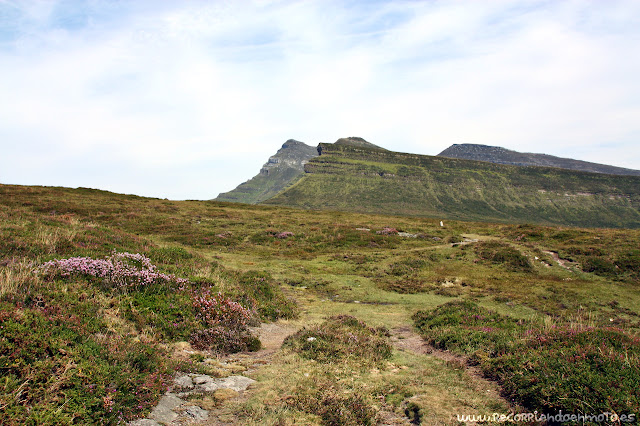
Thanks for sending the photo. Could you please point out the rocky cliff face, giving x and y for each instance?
(496, 154)
(277, 173)
(293, 154)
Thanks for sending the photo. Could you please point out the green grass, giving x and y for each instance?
(59, 361)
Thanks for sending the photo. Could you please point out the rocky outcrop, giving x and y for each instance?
(173, 408)
(496, 154)
(277, 173)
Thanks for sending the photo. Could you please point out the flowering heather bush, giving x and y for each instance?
(216, 309)
(387, 231)
(225, 340)
(119, 269)
(226, 324)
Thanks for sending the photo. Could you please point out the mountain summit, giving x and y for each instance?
(279, 171)
(496, 154)
(357, 142)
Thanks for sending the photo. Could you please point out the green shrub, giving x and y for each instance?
(406, 267)
(261, 291)
(588, 371)
(503, 254)
(59, 368)
(578, 371)
(465, 327)
(341, 338)
(169, 314)
(599, 266)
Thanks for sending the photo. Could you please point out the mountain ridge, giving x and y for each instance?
(499, 155)
(359, 179)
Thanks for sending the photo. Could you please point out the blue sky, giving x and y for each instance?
(186, 99)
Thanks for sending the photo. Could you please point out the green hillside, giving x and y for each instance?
(353, 178)
(262, 186)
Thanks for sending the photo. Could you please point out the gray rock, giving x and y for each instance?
(237, 383)
(407, 235)
(183, 382)
(195, 413)
(163, 413)
(144, 422)
(202, 379)
(208, 384)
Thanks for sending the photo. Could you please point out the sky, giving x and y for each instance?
(185, 99)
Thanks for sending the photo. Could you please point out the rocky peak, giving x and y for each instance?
(282, 168)
(293, 154)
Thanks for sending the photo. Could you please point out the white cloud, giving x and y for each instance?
(185, 100)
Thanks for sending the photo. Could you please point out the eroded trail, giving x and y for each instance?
(405, 339)
(272, 336)
(201, 399)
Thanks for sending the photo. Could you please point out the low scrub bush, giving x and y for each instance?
(580, 371)
(584, 370)
(625, 264)
(341, 338)
(170, 315)
(169, 255)
(58, 367)
(465, 327)
(503, 254)
(406, 267)
(260, 291)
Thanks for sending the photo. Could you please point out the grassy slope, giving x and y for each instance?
(356, 179)
(328, 266)
(262, 187)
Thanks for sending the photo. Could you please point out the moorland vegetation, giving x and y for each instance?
(97, 289)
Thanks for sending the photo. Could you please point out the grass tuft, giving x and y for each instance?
(341, 338)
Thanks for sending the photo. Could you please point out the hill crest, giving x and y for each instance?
(357, 142)
(499, 155)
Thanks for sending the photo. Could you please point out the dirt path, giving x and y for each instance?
(271, 335)
(405, 339)
(562, 262)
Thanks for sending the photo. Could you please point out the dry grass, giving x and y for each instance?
(15, 276)
(51, 238)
